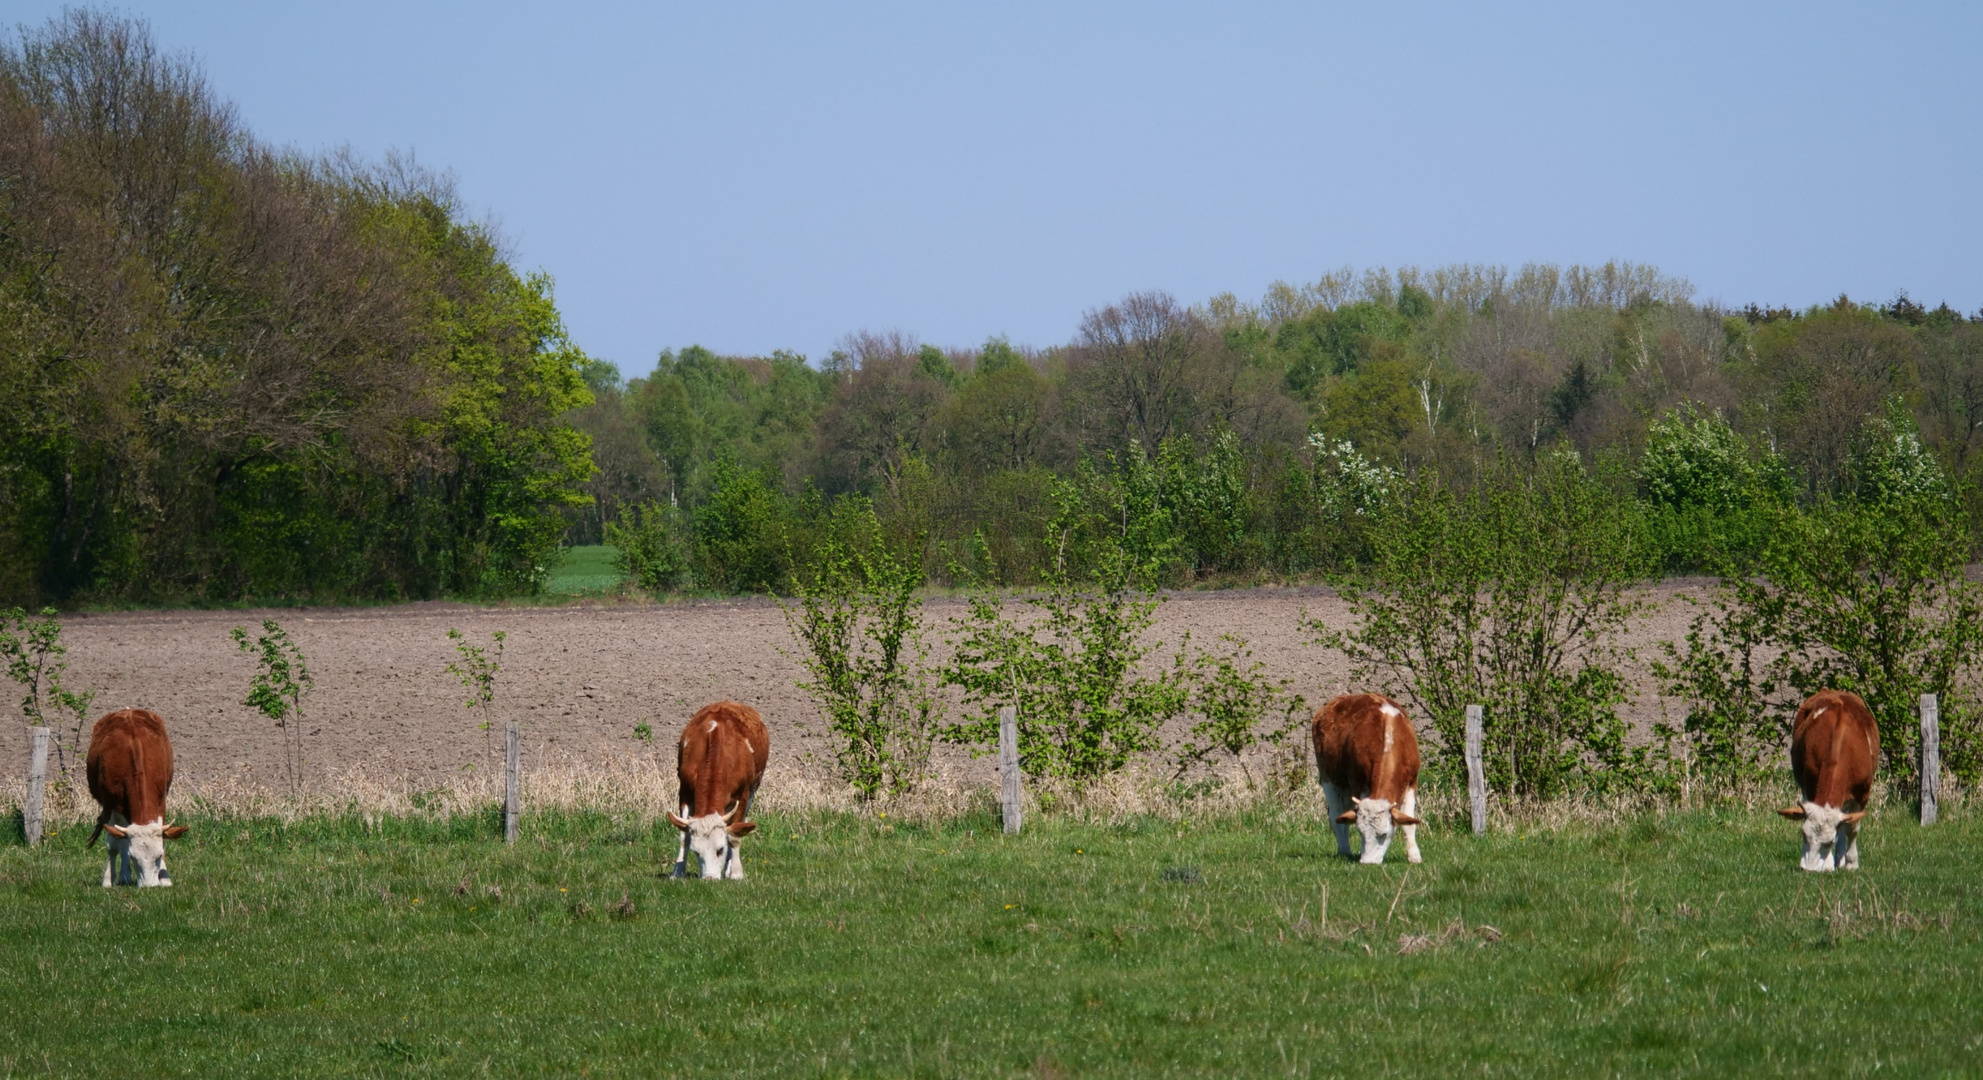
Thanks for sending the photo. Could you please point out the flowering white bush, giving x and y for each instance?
(1348, 482)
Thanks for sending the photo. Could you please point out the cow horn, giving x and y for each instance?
(117, 831)
(736, 810)
(678, 821)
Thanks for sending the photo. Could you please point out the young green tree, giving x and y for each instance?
(282, 679)
(31, 646)
(477, 670)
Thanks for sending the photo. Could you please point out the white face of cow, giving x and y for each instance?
(137, 853)
(1374, 821)
(1830, 836)
(713, 839)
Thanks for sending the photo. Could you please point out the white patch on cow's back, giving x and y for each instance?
(712, 725)
(749, 747)
(1389, 709)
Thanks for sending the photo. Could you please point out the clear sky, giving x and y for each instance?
(753, 176)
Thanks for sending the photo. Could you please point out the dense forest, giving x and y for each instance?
(227, 371)
(232, 372)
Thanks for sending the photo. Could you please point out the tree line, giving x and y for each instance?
(1249, 441)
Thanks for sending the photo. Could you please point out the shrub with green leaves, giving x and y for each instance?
(282, 679)
(31, 646)
(741, 539)
(859, 623)
(1869, 596)
(652, 543)
(1067, 662)
(1511, 594)
(1238, 707)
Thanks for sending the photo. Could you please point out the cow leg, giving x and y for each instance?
(109, 867)
(682, 855)
(1848, 846)
(1337, 802)
(734, 862)
(1411, 831)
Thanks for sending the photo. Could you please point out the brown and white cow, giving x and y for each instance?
(722, 757)
(1834, 749)
(1366, 755)
(130, 769)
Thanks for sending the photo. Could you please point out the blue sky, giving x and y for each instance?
(753, 176)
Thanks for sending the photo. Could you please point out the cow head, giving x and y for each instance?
(140, 850)
(1821, 824)
(1377, 820)
(713, 838)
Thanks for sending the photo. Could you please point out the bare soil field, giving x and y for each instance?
(579, 679)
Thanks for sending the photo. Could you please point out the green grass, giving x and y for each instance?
(1688, 946)
(582, 570)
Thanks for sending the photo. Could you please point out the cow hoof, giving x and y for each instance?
(679, 872)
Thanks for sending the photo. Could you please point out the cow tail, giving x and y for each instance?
(98, 831)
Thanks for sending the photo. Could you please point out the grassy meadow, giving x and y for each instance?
(584, 570)
(1686, 945)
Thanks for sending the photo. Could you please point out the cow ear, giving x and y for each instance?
(1792, 811)
(117, 831)
(174, 832)
(1402, 819)
(1347, 817)
(1852, 818)
(677, 821)
(742, 828)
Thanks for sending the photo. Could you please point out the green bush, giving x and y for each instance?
(1869, 596)
(652, 544)
(742, 542)
(860, 625)
(1068, 666)
(1512, 595)
(1238, 706)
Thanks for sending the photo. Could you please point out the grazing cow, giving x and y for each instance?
(723, 753)
(1367, 757)
(130, 769)
(1834, 748)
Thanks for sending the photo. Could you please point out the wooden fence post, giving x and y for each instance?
(37, 783)
(1931, 757)
(1476, 775)
(1008, 766)
(512, 782)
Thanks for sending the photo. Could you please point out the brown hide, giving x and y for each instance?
(129, 768)
(1350, 752)
(722, 756)
(1834, 749)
